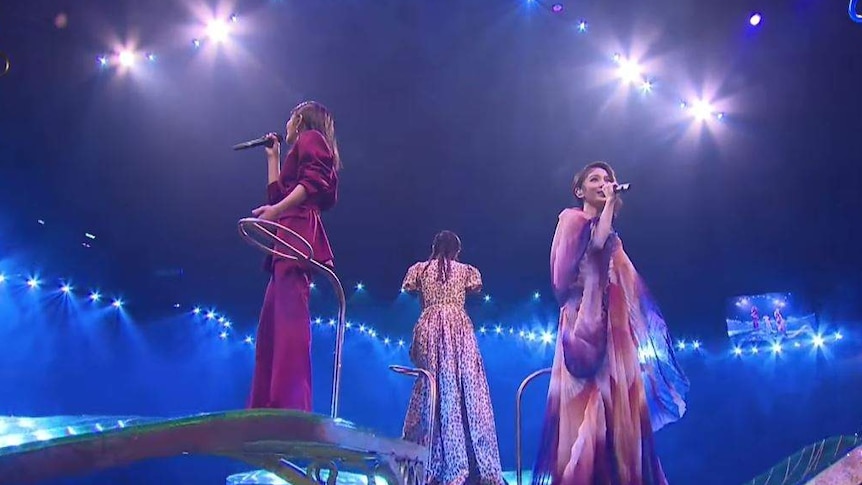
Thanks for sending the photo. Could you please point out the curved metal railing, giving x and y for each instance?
(432, 392)
(250, 227)
(518, 466)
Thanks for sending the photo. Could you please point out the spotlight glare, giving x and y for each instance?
(695, 344)
(126, 58)
(360, 286)
(102, 60)
(217, 30)
(838, 336)
(234, 18)
(95, 296)
(818, 341)
(776, 348)
(628, 71)
(582, 26)
(117, 303)
(196, 43)
(151, 57)
(737, 350)
(33, 283)
(66, 288)
(2, 278)
(701, 110)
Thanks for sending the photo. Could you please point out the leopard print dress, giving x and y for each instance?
(465, 446)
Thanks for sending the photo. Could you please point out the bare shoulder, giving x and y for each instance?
(572, 214)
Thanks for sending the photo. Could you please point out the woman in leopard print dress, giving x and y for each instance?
(465, 441)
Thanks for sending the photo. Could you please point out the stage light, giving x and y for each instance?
(234, 18)
(117, 303)
(838, 336)
(681, 345)
(737, 351)
(331, 322)
(628, 71)
(372, 333)
(755, 19)
(401, 343)
(582, 26)
(95, 296)
(646, 86)
(386, 341)
(312, 285)
(217, 30)
(210, 315)
(776, 348)
(151, 57)
(536, 295)
(701, 110)
(818, 341)
(223, 335)
(196, 43)
(197, 310)
(755, 350)
(498, 329)
(249, 340)
(102, 61)
(33, 283)
(487, 298)
(547, 337)
(695, 345)
(482, 329)
(360, 287)
(557, 8)
(318, 320)
(127, 59)
(2, 278)
(66, 288)
(227, 324)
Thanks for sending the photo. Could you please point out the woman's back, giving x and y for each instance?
(442, 283)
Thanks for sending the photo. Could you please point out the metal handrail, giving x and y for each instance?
(432, 391)
(518, 467)
(269, 230)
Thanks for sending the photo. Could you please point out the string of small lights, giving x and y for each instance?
(525, 334)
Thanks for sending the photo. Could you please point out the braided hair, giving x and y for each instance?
(444, 250)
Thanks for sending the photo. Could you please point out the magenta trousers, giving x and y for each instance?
(282, 361)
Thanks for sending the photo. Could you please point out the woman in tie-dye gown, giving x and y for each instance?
(614, 379)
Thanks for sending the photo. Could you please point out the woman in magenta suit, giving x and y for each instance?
(300, 188)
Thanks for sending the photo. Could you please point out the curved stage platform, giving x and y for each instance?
(297, 447)
(294, 447)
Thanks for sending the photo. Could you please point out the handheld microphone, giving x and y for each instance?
(257, 142)
(622, 188)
